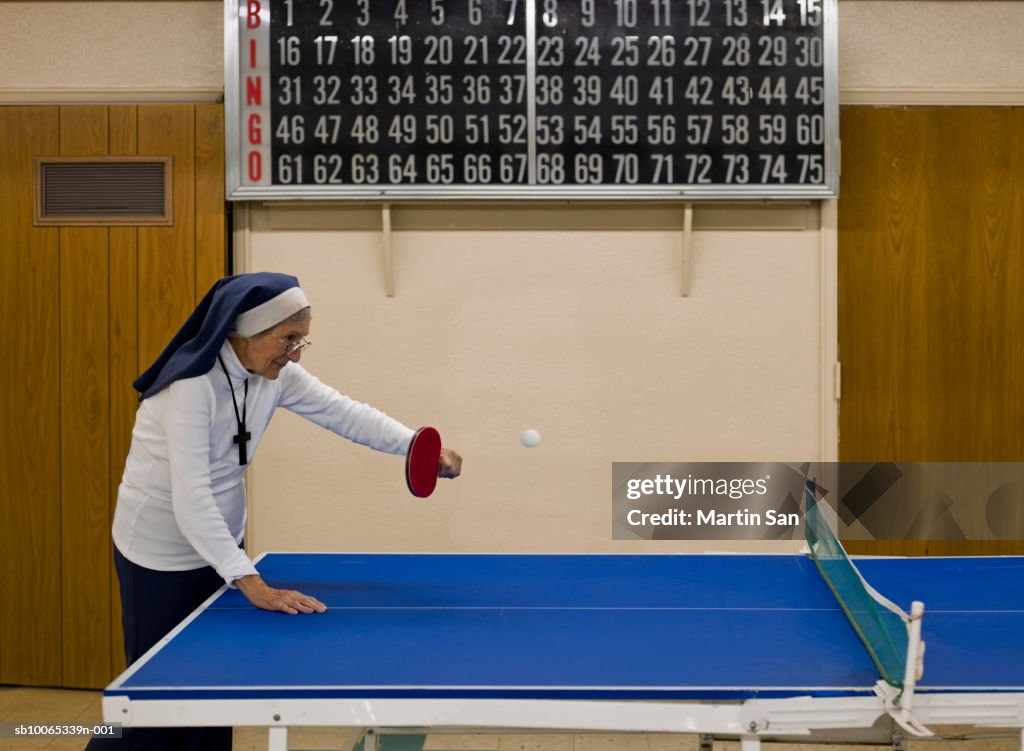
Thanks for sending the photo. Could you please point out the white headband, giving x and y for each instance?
(269, 314)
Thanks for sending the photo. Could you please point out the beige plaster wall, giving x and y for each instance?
(99, 51)
(176, 46)
(581, 334)
(931, 44)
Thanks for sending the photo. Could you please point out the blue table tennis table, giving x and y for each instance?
(746, 647)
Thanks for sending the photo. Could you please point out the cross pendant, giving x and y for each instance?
(242, 439)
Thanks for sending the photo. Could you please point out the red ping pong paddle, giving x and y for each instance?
(423, 462)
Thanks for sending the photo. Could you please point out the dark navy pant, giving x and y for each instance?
(153, 603)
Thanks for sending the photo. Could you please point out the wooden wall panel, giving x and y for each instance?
(879, 207)
(124, 353)
(931, 238)
(85, 423)
(93, 307)
(30, 552)
(167, 264)
(211, 254)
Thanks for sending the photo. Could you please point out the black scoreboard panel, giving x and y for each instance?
(400, 93)
(382, 99)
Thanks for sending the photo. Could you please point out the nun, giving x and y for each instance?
(205, 403)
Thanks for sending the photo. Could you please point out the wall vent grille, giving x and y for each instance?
(103, 190)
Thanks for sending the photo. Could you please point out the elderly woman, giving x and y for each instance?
(205, 404)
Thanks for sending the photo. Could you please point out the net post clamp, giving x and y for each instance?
(899, 701)
(892, 698)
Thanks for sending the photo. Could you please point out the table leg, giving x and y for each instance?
(370, 740)
(707, 742)
(278, 739)
(750, 743)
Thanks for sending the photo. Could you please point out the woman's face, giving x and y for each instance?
(268, 354)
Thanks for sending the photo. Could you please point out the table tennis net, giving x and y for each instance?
(881, 625)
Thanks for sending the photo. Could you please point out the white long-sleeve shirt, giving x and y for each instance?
(181, 502)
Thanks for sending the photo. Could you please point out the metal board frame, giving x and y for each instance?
(236, 191)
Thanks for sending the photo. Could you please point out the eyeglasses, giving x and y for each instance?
(293, 345)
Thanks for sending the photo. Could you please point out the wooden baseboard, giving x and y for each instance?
(934, 547)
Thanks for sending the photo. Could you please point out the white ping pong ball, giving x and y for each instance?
(530, 438)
